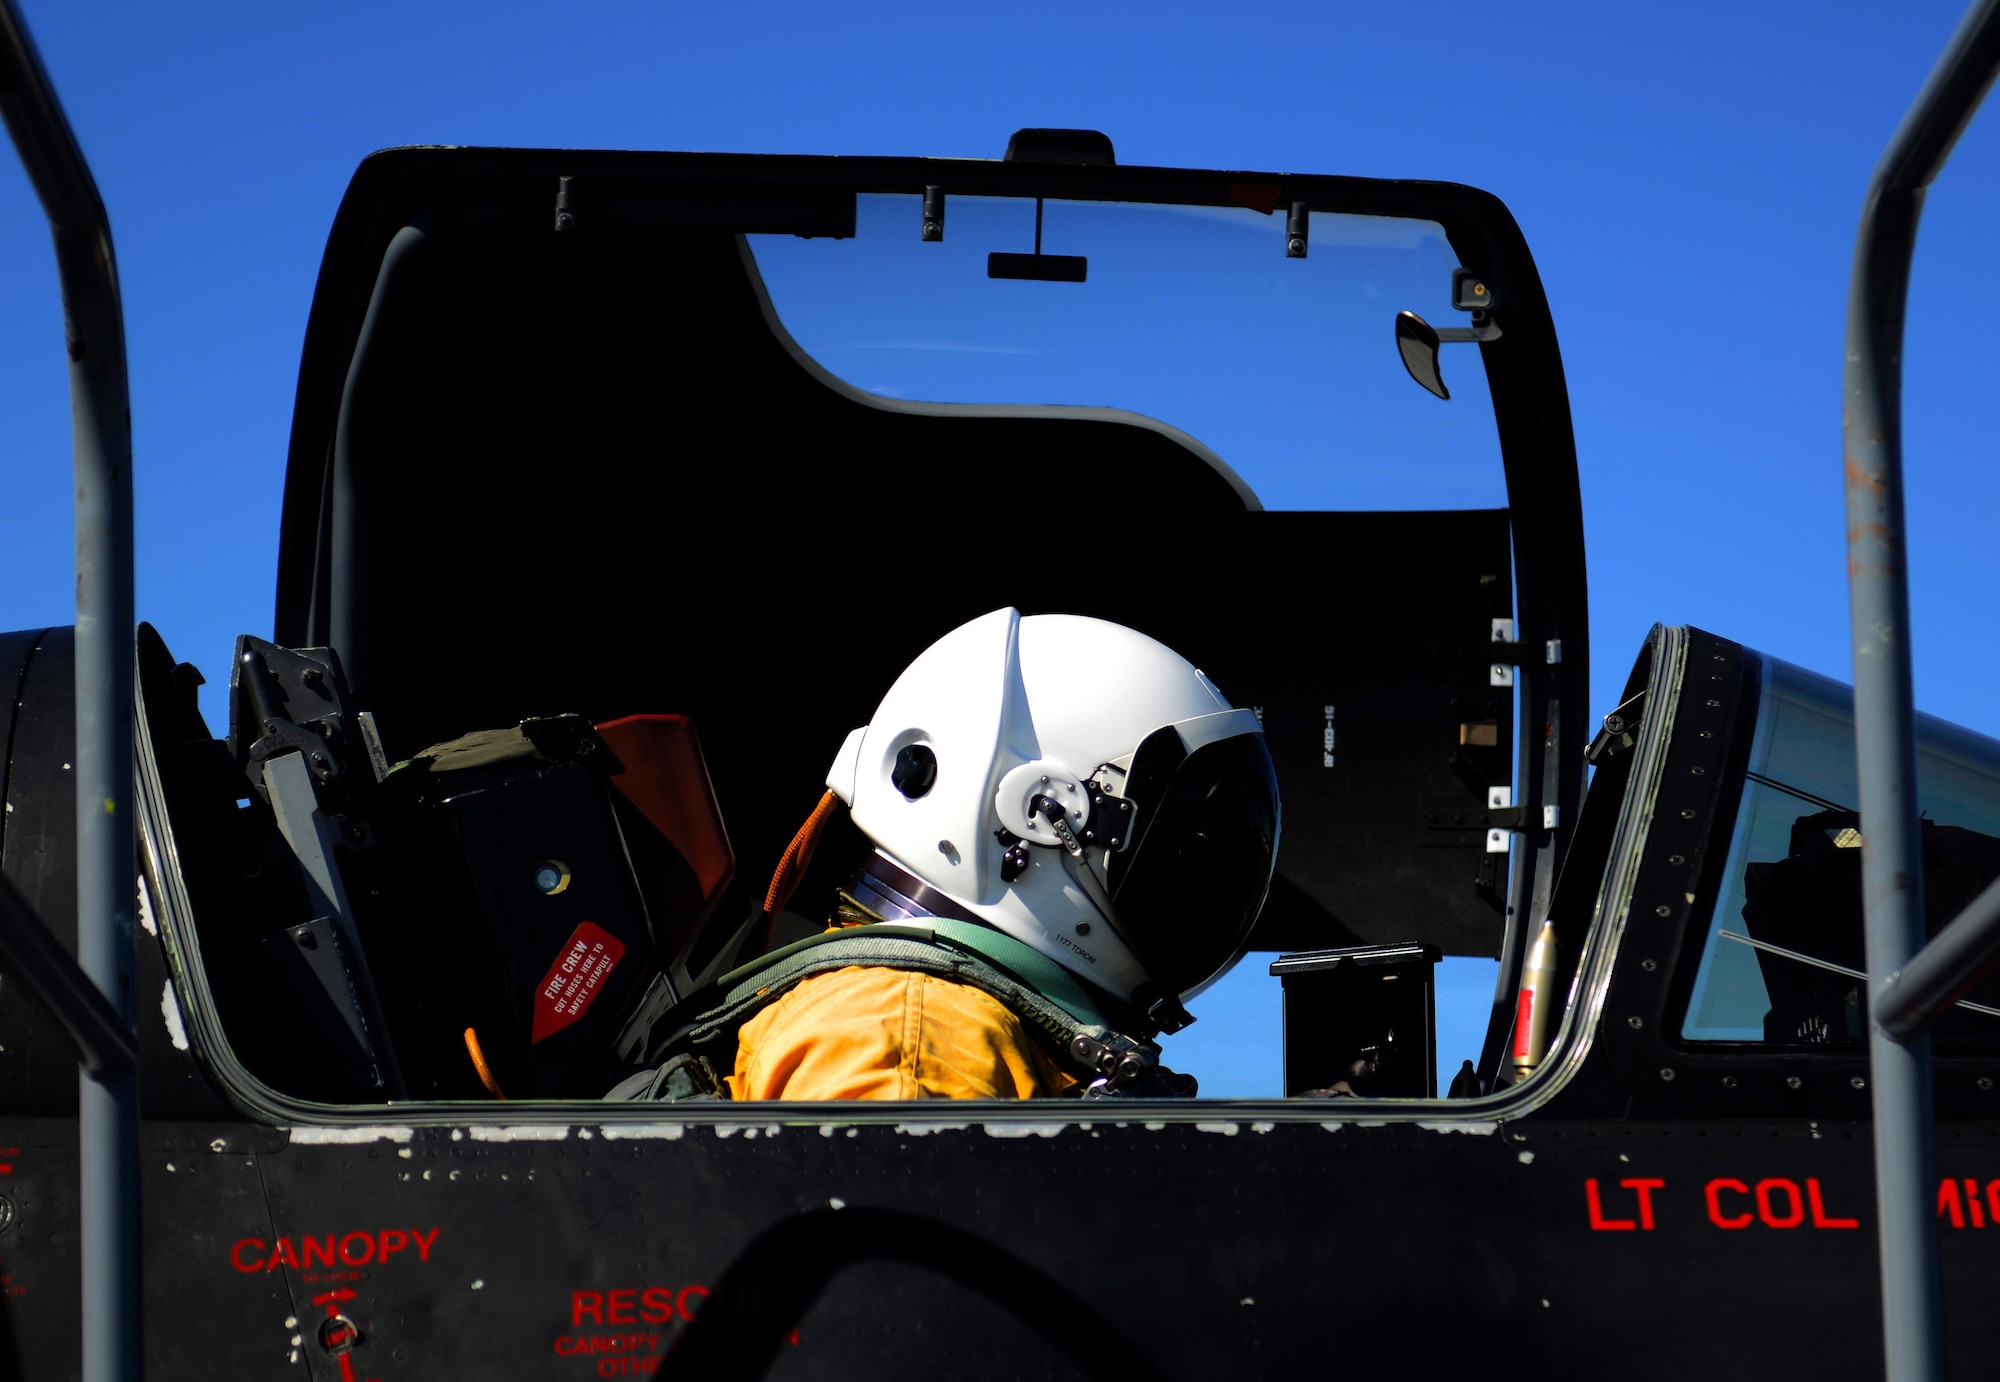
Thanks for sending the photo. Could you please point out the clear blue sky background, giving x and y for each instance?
(1688, 176)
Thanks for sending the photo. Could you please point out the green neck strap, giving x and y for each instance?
(1025, 963)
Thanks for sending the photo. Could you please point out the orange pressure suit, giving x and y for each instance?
(875, 1033)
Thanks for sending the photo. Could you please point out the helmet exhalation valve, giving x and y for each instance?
(1014, 856)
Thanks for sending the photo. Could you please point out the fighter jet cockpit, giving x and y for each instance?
(813, 702)
(1042, 631)
(624, 488)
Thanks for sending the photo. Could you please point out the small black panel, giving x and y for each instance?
(1360, 1021)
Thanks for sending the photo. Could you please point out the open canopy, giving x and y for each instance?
(556, 449)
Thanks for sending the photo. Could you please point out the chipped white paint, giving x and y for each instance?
(1247, 1300)
(837, 1203)
(146, 910)
(170, 1009)
(1154, 1127)
(926, 1129)
(1527, 1158)
(170, 1166)
(827, 1129)
(479, 1283)
(427, 1175)
(291, 1321)
(728, 1129)
(297, 1339)
(644, 1132)
(1333, 1127)
(1455, 1125)
(1225, 1129)
(404, 1153)
(458, 1134)
(585, 1134)
(218, 1145)
(1263, 1127)
(344, 1137)
(1023, 1129)
(1623, 1157)
(521, 1132)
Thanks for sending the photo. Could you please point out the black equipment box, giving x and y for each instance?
(553, 868)
(479, 921)
(1361, 1020)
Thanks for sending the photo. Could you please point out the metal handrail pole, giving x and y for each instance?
(1884, 713)
(67, 998)
(1944, 971)
(101, 427)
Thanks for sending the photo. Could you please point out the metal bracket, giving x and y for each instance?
(1450, 818)
(1502, 672)
(311, 837)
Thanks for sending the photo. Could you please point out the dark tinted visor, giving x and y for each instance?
(1189, 887)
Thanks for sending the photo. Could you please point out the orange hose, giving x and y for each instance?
(798, 854)
(479, 1064)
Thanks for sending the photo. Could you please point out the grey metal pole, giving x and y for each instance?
(68, 999)
(101, 424)
(1884, 715)
(1944, 971)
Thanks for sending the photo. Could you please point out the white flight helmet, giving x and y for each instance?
(1078, 786)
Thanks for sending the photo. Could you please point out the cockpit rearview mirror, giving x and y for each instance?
(1046, 268)
(1417, 341)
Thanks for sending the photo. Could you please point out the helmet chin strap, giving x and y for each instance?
(1161, 1007)
(1077, 862)
(1093, 888)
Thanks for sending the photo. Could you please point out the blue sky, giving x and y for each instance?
(1689, 178)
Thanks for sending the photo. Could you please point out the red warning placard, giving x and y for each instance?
(575, 979)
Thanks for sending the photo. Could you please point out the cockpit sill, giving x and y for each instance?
(1569, 1048)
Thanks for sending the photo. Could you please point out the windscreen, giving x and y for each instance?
(1785, 943)
(1286, 369)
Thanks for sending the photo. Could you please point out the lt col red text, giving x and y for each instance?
(1773, 1202)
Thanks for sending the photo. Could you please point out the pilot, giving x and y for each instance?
(1072, 832)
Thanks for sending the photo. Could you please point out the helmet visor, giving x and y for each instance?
(1189, 887)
